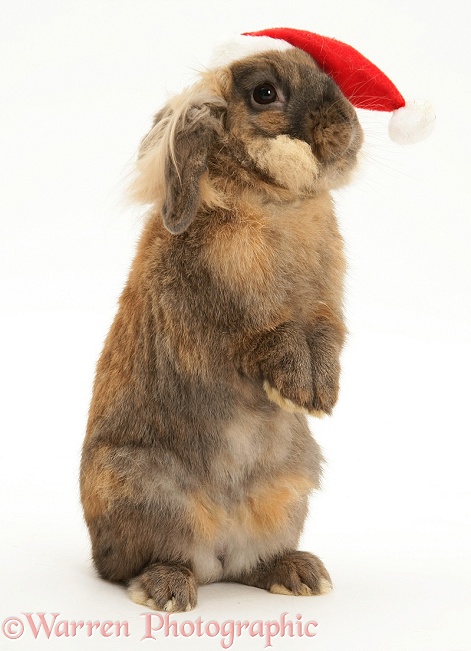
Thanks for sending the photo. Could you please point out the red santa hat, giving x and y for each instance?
(363, 83)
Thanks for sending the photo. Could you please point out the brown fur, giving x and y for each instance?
(208, 518)
(270, 505)
(198, 461)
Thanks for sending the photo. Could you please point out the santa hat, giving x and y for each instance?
(359, 79)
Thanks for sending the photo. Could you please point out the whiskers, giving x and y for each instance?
(380, 158)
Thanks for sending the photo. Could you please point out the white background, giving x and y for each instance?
(79, 83)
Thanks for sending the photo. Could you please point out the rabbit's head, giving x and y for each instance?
(272, 121)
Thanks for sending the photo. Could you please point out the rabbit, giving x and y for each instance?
(198, 461)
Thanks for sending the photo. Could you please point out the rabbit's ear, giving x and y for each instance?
(174, 155)
(186, 161)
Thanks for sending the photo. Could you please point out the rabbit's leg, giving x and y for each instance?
(290, 573)
(140, 527)
(131, 544)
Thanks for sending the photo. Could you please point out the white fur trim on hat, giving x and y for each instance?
(240, 46)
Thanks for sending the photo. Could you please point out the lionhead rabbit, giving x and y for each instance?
(198, 461)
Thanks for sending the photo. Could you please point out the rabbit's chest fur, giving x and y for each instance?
(281, 258)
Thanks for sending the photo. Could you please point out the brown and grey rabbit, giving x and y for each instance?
(198, 461)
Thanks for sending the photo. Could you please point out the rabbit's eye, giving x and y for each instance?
(264, 94)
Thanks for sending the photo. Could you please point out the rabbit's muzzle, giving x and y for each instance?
(327, 121)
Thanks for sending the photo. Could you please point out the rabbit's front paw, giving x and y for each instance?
(303, 406)
(285, 364)
(316, 399)
(281, 358)
(326, 373)
(299, 370)
(326, 393)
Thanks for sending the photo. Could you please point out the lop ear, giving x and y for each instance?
(174, 156)
(186, 161)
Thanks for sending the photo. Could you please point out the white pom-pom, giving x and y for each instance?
(412, 123)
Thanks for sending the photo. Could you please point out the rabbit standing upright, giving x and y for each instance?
(198, 461)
